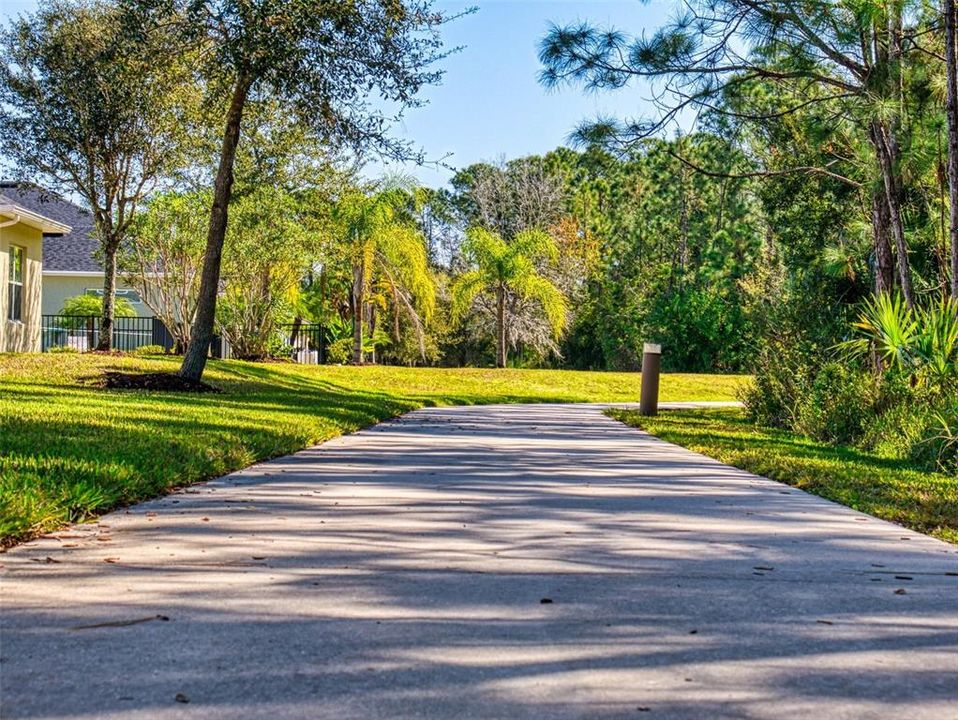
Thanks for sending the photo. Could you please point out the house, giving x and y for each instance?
(70, 264)
(22, 233)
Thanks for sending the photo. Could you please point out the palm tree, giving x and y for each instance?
(508, 271)
(381, 242)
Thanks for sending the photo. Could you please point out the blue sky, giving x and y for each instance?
(490, 104)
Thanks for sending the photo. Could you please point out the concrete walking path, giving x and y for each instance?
(541, 562)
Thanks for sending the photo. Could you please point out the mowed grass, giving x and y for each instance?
(888, 489)
(69, 450)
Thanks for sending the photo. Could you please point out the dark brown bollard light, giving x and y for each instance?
(651, 362)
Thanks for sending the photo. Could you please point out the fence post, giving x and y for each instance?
(651, 364)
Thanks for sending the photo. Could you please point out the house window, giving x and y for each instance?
(15, 308)
(132, 295)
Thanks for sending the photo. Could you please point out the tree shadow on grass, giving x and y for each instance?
(890, 488)
(72, 452)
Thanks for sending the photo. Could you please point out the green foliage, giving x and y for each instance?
(386, 256)
(837, 406)
(921, 343)
(701, 330)
(340, 351)
(508, 272)
(149, 350)
(87, 305)
(914, 427)
(936, 346)
(91, 103)
(164, 257)
(69, 451)
(887, 328)
(895, 490)
(903, 407)
(410, 352)
(831, 103)
(340, 69)
(267, 252)
(671, 248)
(940, 439)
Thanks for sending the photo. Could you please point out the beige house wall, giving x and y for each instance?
(21, 336)
(57, 288)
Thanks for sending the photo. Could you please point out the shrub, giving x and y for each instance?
(837, 406)
(145, 350)
(919, 427)
(340, 351)
(704, 330)
(921, 344)
(408, 350)
(781, 381)
(941, 439)
(93, 305)
(277, 346)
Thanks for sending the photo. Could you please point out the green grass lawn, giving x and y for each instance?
(888, 489)
(69, 451)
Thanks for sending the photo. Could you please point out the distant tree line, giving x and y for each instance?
(839, 122)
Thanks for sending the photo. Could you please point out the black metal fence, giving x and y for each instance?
(82, 332)
(307, 342)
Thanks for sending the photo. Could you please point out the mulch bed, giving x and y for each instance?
(170, 382)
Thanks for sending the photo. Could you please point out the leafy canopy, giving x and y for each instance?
(90, 305)
(322, 59)
(501, 266)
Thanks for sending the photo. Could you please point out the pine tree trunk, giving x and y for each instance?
(105, 341)
(683, 231)
(887, 153)
(194, 360)
(359, 272)
(951, 73)
(501, 327)
(884, 260)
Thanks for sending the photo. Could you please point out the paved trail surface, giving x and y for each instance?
(537, 562)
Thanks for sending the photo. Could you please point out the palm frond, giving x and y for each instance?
(887, 327)
(549, 297)
(464, 291)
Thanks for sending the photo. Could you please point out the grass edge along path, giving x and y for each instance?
(885, 488)
(70, 451)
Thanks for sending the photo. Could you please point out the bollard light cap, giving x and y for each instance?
(652, 348)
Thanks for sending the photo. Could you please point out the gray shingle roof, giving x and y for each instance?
(73, 251)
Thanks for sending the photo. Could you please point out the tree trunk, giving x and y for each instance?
(501, 350)
(294, 332)
(105, 341)
(359, 272)
(194, 361)
(371, 324)
(884, 261)
(396, 328)
(322, 293)
(951, 73)
(887, 152)
(683, 230)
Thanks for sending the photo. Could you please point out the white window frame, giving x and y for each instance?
(15, 309)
